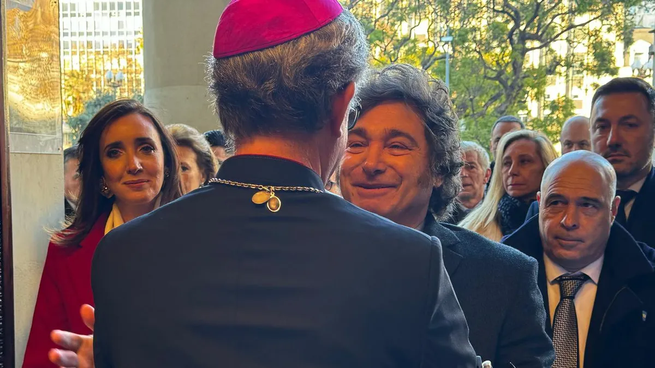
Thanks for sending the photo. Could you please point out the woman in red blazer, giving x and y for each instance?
(128, 167)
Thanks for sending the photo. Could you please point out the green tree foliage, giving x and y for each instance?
(91, 107)
(494, 70)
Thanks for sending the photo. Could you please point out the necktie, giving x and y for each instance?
(565, 322)
(626, 196)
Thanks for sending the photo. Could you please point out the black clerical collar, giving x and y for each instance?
(268, 170)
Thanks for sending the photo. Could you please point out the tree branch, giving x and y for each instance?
(559, 34)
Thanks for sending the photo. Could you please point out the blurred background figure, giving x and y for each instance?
(127, 168)
(220, 145)
(575, 135)
(71, 181)
(505, 124)
(523, 155)
(197, 161)
(475, 174)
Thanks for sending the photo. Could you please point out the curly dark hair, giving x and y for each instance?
(429, 98)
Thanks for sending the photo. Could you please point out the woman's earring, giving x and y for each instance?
(166, 173)
(104, 189)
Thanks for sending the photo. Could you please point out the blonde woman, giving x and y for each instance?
(522, 157)
(197, 161)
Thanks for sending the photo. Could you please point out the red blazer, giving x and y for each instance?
(65, 286)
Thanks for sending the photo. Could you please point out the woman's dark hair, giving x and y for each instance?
(429, 99)
(91, 203)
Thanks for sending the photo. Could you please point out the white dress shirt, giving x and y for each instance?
(584, 299)
(636, 187)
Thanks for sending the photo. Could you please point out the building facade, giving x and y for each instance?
(101, 46)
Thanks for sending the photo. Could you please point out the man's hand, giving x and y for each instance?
(77, 350)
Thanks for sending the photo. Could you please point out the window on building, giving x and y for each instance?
(104, 6)
(66, 45)
(64, 7)
(96, 6)
(121, 6)
(136, 6)
(73, 7)
(112, 33)
(112, 6)
(98, 45)
(89, 44)
(121, 24)
(128, 6)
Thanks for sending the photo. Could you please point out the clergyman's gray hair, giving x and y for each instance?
(288, 88)
(483, 156)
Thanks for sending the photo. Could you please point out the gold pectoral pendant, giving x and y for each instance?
(273, 203)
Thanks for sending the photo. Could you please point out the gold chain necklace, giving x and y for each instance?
(266, 193)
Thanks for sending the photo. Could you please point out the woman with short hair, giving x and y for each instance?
(197, 161)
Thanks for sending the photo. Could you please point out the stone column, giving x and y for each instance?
(178, 37)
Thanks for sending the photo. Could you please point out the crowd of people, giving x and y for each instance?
(348, 225)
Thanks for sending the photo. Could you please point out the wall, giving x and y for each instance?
(177, 38)
(37, 187)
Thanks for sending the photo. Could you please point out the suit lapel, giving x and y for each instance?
(527, 240)
(637, 225)
(614, 299)
(542, 282)
(449, 243)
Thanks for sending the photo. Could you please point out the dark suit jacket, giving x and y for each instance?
(641, 222)
(532, 211)
(622, 327)
(214, 280)
(497, 289)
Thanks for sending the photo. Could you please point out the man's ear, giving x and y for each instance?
(539, 197)
(487, 176)
(340, 108)
(615, 206)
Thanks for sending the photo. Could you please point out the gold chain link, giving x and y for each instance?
(268, 188)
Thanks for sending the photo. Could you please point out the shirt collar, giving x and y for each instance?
(269, 170)
(637, 186)
(553, 270)
(73, 205)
